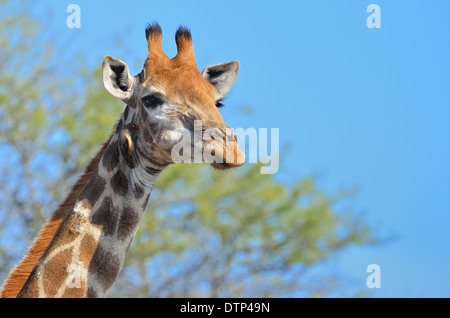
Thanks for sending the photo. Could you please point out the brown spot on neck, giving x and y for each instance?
(119, 183)
(106, 216)
(93, 189)
(105, 266)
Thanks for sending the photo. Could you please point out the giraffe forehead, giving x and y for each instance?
(182, 84)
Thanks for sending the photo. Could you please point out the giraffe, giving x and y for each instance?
(81, 250)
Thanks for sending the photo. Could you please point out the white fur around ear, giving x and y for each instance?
(116, 78)
(222, 76)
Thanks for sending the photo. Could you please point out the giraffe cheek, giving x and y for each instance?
(170, 138)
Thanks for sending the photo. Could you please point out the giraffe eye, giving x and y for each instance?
(152, 101)
(219, 104)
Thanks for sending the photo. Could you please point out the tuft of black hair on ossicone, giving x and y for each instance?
(184, 32)
(152, 28)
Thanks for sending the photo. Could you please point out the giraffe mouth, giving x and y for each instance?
(224, 153)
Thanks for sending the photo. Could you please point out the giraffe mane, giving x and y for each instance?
(21, 272)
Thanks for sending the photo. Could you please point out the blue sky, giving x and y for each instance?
(357, 106)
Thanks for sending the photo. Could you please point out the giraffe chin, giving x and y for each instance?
(225, 166)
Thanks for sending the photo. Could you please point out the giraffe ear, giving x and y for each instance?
(116, 78)
(221, 76)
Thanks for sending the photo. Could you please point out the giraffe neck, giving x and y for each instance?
(88, 250)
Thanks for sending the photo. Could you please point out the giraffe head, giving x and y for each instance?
(171, 97)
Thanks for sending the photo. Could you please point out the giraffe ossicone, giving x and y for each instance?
(81, 251)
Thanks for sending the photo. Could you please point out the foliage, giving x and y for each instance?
(236, 234)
